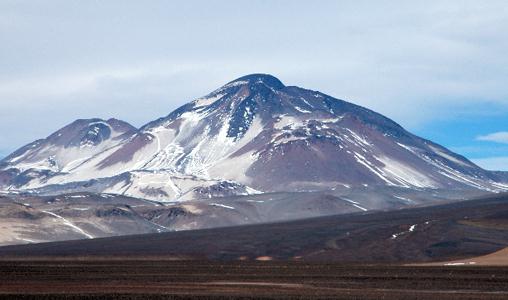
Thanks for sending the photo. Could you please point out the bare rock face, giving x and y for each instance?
(252, 135)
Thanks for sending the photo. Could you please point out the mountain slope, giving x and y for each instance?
(63, 151)
(253, 133)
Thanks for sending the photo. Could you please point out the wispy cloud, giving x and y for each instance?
(498, 137)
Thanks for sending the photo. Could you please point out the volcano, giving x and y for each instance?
(252, 135)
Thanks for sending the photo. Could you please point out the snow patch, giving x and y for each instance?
(221, 205)
(448, 156)
(404, 174)
(69, 223)
(411, 229)
(355, 204)
(302, 110)
(205, 101)
(402, 198)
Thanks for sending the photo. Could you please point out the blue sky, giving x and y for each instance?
(439, 68)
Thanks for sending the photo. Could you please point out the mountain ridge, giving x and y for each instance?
(255, 133)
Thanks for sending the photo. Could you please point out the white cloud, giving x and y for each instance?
(498, 137)
(412, 61)
(493, 163)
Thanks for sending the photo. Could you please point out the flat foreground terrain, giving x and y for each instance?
(75, 279)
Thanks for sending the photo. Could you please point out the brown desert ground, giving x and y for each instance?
(146, 279)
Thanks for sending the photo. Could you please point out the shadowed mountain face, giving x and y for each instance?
(252, 135)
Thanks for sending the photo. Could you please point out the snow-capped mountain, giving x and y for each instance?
(63, 151)
(252, 135)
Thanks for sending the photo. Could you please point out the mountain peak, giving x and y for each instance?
(254, 131)
(256, 78)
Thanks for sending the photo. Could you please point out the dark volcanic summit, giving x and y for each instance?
(265, 79)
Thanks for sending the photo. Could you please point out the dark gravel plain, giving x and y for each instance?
(245, 280)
